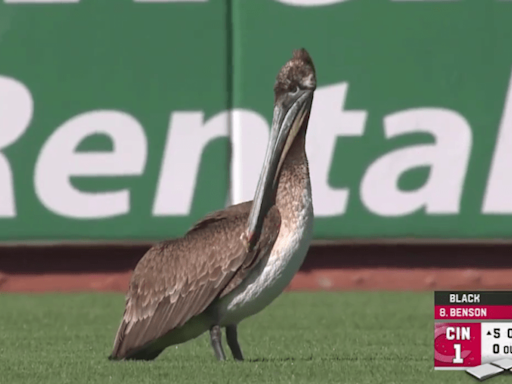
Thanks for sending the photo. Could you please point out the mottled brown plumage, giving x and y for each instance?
(179, 279)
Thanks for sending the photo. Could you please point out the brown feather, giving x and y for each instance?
(178, 279)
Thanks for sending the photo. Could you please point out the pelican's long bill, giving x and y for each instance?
(286, 123)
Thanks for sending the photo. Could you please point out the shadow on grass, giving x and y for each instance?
(278, 359)
(335, 358)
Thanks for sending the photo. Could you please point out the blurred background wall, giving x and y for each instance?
(123, 122)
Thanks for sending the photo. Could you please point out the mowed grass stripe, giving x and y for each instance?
(338, 337)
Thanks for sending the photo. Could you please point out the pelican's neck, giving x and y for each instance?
(294, 180)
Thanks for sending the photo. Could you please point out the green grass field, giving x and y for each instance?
(360, 337)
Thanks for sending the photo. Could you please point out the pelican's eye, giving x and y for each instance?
(295, 91)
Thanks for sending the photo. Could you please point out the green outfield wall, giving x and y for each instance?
(127, 119)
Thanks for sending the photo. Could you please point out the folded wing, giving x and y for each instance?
(178, 279)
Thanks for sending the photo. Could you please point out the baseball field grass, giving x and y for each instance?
(338, 337)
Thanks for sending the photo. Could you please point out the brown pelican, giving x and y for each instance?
(234, 262)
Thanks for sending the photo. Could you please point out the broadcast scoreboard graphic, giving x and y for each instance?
(473, 332)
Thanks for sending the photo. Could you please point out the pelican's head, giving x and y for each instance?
(296, 78)
(293, 90)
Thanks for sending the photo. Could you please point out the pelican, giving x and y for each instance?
(236, 261)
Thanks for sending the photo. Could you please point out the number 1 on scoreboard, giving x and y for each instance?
(458, 352)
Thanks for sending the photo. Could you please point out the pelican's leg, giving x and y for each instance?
(216, 340)
(232, 337)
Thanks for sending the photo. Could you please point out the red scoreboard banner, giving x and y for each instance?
(473, 331)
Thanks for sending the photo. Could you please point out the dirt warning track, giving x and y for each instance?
(71, 268)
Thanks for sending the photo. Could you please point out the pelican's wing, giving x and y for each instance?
(232, 212)
(178, 279)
